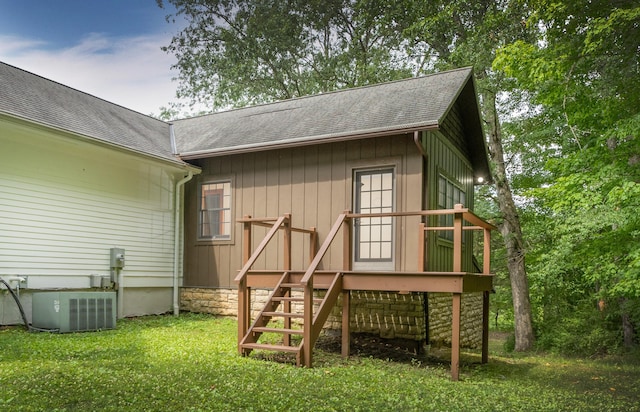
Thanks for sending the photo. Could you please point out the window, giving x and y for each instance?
(215, 211)
(449, 194)
(374, 193)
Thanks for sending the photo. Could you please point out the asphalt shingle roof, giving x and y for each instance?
(410, 104)
(395, 107)
(31, 97)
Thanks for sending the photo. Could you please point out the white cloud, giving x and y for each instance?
(130, 71)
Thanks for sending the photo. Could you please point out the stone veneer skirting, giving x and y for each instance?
(386, 314)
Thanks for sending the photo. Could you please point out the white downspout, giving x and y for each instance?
(177, 250)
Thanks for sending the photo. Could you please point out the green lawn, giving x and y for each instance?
(190, 363)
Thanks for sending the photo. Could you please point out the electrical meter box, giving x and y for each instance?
(117, 257)
(74, 311)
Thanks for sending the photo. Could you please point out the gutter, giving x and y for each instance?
(178, 246)
(418, 142)
(306, 141)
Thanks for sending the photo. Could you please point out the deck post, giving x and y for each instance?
(313, 244)
(455, 336)
(457, 239)
(486, 269)
(485, 326)
(286, 305)
(246, 240)
(421, 247)
(346, 295)
(346, 316)
(307, 348)
(486, 258)
(244, 293)
(287, 241)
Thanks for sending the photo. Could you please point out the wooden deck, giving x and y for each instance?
(340, 282)
(446, 282)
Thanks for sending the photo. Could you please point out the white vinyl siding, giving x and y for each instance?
(65, 203)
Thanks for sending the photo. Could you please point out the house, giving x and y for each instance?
(80, 176)
(407, 146)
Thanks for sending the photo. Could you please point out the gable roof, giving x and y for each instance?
(31, 97)
(402, 106)
(395, 107)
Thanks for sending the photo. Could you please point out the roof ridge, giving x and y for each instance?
(331, 92)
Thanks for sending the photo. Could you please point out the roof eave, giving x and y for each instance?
(179, 163)
(309, 141)
(480, 161)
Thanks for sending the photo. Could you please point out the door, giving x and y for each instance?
(374, 192)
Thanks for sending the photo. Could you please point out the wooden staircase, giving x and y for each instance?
(289, 314)
(283, 314)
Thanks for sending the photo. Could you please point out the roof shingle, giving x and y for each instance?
(415, 103)
(34, 98)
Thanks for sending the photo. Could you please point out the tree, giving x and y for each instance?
(246, 52)
(456, 33)
(583, 72)
(235, 53)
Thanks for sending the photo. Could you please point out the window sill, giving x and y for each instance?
(214, 242)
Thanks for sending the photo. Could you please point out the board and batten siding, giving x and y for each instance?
(65, 202)
(447, 160)
(314, 184)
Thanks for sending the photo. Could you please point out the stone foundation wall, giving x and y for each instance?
(389, 315)
(440, 313)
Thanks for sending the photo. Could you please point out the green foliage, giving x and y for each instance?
(563, 76)
(190, 363)
(582, 74)
(237, 52)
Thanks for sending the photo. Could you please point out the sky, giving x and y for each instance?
(107, 48)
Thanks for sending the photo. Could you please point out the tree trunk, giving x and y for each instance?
(627, 325)
(510, 230)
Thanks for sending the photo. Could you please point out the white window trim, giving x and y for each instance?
(374, 264)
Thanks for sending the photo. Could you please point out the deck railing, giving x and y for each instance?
(463, 220)
(249, 259)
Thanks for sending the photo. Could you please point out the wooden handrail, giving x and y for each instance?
(274, 224)
(472, 218)
(461, 215)
(324, 248)
(247, 266)
(266, 222)
(467, 215)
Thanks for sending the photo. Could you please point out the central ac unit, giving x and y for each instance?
(74, 311)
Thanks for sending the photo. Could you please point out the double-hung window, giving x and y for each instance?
(215, 211)
(449, 194)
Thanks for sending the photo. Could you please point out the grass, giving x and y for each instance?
(190, 363)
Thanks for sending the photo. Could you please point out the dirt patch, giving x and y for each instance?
(365, 345)
(395, 350)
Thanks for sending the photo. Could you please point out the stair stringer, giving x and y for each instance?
(262, 320)
(319, 319)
